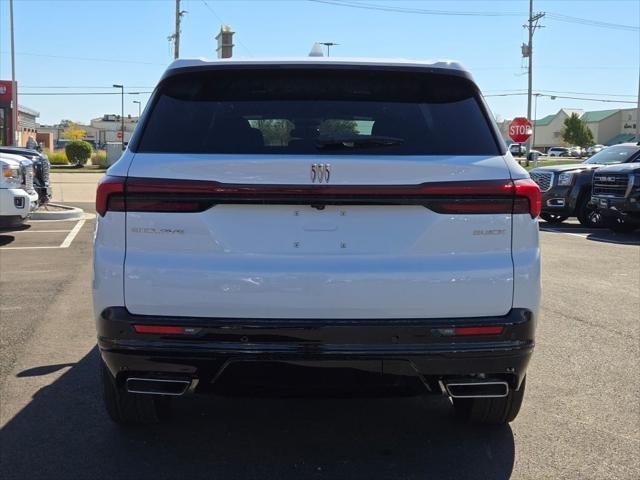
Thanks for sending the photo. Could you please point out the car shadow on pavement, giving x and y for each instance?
(594, 234)
(6, 239)
(64, 433)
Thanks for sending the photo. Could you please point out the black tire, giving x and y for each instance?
(552, 218)
(127, 408)
(587, 216)
(490, 411)
(620, 226)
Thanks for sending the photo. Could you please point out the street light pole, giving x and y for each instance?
(14, 87)
(121, 87)
(139, 108)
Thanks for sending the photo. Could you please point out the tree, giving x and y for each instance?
(73, 132)
(274, 132)
(333, 128)
(78, 152)
(575, 132)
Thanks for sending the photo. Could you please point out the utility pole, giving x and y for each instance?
(638, 112)
(175, 37)
(527, 52)
(14, 86)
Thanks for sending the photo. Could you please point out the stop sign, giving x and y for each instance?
(119, 135)
(520, 129)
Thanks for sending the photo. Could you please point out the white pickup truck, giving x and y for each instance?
(16, 203)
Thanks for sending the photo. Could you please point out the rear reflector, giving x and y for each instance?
(487, 330)
(164, 195)
(160, 329)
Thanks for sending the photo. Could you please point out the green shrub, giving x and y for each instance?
(99, 159)
(78, 152)
(58, 158)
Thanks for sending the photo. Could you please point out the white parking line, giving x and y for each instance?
(580, 235)
(35, 231)
(72, 234)
(66, 243)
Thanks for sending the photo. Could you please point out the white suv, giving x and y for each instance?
(353, 214)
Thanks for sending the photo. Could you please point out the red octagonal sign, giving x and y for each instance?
(520, 129)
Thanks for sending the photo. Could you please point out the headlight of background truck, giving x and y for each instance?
(11, 174)
(565, 179)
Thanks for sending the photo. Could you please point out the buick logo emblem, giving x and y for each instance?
(320, 172)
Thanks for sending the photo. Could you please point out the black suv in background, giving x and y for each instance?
(616, 196)
(41, 167)
(566, 189)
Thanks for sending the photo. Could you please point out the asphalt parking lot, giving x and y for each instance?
(580, 418)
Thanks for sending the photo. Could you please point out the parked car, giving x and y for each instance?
(518, 150)
(16, 204)
(41, 169)
(566, 189)
(559, 152)
(538, 152)
(592, 150)
(616, 195)
(575, 151)
(386, 250)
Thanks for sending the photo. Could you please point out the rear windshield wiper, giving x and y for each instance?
(357, 141)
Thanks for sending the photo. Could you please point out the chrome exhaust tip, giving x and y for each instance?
(477, 389)
(157, 386)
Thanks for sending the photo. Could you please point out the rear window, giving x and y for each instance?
(302, 112)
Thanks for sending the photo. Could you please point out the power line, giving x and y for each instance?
(90, 59)
(421, 11)
(560, 96)
(81, 93)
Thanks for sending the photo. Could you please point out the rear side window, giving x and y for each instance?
(317, 112)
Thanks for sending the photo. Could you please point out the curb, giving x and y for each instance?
(69, 213)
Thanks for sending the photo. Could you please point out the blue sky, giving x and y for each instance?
(126, 42)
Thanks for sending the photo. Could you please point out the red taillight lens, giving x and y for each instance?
(487, 330)
(160, 329)
(110, 195)
(527, 189)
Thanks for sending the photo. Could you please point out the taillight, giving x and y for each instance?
(168, 195)
(528, 197)
(110, 190)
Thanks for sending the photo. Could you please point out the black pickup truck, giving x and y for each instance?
(566, 189)
(616, 196)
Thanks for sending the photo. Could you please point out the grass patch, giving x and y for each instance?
(74, 169)
(57, 157)
(546, 163)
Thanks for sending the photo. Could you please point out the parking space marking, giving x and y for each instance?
(580, 235)
(72, 234)
(66, 243)
(37, 231)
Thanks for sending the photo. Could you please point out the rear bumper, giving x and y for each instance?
(395, 346)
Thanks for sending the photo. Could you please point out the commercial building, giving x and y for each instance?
(609, 127)
(99, 132)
